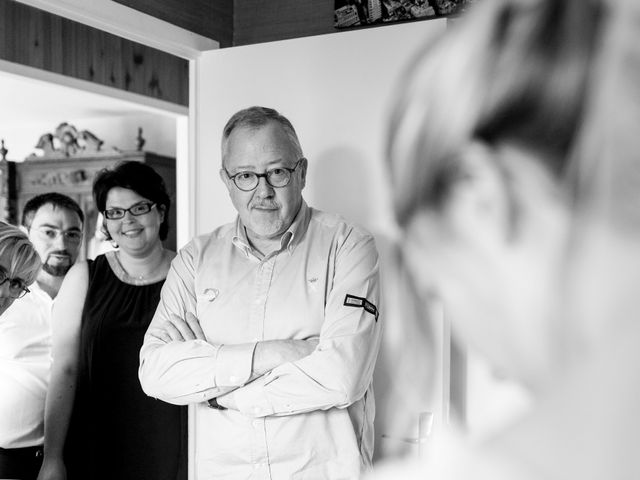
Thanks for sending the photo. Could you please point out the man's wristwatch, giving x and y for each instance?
(213, 403)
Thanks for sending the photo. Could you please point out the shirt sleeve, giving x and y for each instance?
(183, 372)
(340, 370)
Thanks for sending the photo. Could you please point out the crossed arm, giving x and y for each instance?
(267, 355)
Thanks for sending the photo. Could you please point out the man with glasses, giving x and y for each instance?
(53, 223)
(269, 325)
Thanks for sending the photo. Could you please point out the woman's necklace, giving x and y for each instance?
(152, 274)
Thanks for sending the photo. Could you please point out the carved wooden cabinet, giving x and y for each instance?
(73, 176)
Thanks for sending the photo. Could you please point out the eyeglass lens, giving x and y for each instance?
(17, 288)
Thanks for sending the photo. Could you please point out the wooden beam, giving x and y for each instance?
(204, 17)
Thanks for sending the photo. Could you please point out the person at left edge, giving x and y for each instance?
(102, 312)
(275, 319)
(53, 223)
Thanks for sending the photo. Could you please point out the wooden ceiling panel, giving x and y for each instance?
(257, 21)
(211, 19)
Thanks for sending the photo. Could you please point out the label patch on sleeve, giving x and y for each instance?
(353, 301)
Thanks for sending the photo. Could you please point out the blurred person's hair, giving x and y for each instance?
(136, 176)
(255, 118)
(56, 199)
(19, 254)
(517, 72)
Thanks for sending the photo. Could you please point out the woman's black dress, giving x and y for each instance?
(116, 431)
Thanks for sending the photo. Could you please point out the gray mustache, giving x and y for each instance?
(265, 205)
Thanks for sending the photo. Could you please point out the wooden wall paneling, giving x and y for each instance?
(67, 55)
(8, 41)
(81, 49)
(113, 59)
(91, 56)
(97, 67)
(136, 66)
(149, 71)
(127, 65)
(154, 79)
(212, 19)
(51, 41)
(11, 17)
(257, 21)
(57, 45)
(3, 31)
(36, 38)
(35, 42)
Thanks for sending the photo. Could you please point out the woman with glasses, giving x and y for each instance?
(104, 308)
(19, 266)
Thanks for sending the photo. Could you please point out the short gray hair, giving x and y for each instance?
(256, 117)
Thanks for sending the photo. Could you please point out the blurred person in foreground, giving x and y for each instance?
(269, 324)
(53, 223)
(102, 312)
(514, 157)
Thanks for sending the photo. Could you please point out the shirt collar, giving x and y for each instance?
(37, 290)
(289, 239)
(298, 227)
(240, 239)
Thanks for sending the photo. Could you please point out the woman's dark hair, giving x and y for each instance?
(140, 178)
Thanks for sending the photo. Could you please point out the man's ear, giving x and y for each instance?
(479, 203)
(224, 177)
(303, 171)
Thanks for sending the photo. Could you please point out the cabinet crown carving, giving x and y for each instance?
(67, 141)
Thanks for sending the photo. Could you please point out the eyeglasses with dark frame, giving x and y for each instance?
(136, 210)
(17, 288)
(276, 177)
